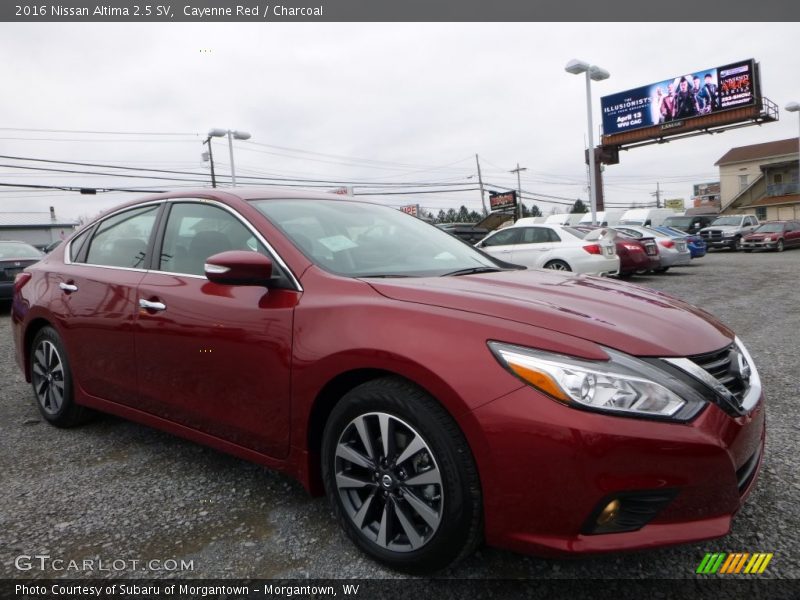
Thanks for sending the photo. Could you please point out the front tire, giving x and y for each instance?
(400, 477)
(558, 265)
(51, 379)
(779, 247)
(737, 244)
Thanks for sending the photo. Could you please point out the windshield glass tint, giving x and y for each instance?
(361, 240)
(770, 228)
(678, 221)
(728, 221)
(18, 250)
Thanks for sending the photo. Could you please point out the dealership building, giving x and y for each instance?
(762, 180)
(39, 229)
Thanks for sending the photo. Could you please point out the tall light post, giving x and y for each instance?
(232, 134)
(593, 72)
(795, 107)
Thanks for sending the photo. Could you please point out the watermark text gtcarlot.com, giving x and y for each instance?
(45, 562)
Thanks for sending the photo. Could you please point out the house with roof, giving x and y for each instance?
(762, 180)
(36, 228)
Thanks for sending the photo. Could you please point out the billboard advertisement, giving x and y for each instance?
(707, 189)
(502, 200)
(411, 209)
(670, 102)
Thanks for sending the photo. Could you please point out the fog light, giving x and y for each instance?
(609, 512)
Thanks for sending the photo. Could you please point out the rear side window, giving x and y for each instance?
(504, 237)
(77, 244)
(122, 240)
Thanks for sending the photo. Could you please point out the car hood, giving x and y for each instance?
(629, 318)
(761, 236)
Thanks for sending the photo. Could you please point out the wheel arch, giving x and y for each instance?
(32, 329)
(331, 394)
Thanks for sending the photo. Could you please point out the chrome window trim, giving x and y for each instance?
(192, 200)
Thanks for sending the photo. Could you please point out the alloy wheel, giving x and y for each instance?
(48, 377)
(389, 482)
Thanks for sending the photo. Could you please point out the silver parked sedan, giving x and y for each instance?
(673, 252)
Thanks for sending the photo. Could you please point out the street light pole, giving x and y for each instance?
(593, 72)
(232, 134)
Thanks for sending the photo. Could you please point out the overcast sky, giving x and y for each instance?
(382, 103)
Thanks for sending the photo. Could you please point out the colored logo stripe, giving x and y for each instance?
(737, 562)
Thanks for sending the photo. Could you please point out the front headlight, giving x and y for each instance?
(623, 384)
(728, 233)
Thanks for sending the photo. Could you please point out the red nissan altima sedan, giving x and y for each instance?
(438, 396)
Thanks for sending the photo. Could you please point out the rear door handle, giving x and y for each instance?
(68, 287)
(149, 305)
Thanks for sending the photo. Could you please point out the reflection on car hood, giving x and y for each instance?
(612, 313)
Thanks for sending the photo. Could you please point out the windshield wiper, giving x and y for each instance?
(472, 271)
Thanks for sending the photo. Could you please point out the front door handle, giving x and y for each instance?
(68, 287)
(149, 305)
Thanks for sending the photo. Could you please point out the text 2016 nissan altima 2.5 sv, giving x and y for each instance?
(439, 397)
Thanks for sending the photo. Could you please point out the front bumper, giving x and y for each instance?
(760, 245)
(547, 467)
(729, 242)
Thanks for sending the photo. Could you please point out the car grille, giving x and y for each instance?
(9, 273)
(713, 235)
(721, 366)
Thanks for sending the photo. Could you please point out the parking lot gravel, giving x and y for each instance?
(116, 491)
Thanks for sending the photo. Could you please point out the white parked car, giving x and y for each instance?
(554, 247)
(673, 252)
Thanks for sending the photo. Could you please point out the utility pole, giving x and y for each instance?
(519, 189)
(211, 157)
(657, 194)
(480, 182)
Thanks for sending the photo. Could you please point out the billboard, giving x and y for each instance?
(707, 189)
(411, 209)
(502, 200)
(674, 204)
(670, 102)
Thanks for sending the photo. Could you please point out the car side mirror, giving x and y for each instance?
(238, 267)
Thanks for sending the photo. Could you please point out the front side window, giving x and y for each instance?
(122, 239)
(197, 230)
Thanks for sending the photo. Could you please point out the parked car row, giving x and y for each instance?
(622, 250)
(773, 235)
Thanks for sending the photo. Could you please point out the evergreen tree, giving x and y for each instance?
(579, 208)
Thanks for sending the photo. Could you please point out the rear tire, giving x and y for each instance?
(51, 379)
(661, 270)
(400, 477)
(558, 265)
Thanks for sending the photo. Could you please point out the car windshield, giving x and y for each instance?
(770, 228)
(358, 239)
(18, 250)
(678, 221)
(727, 221)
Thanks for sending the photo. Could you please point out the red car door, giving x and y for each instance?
(93, 298)
(215, 358)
